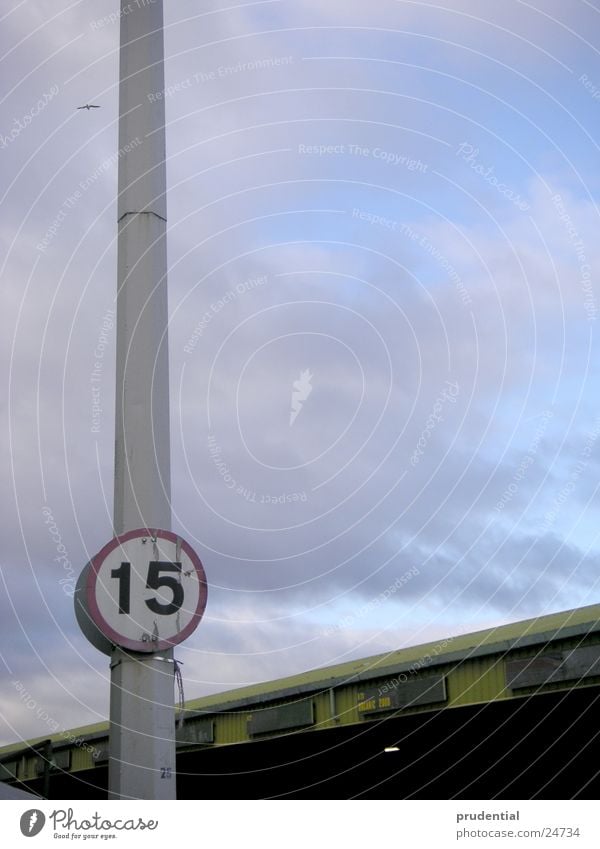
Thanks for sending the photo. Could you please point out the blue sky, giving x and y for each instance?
(400, 199)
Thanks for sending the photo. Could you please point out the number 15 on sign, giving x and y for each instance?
(144, 591)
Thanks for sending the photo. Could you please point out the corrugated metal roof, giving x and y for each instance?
(527, 632)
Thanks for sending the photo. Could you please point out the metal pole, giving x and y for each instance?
(142, 714)
(46, 752)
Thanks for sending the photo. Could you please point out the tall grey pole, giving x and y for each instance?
(142, 715)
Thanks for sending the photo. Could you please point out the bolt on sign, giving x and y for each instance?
(145, 591)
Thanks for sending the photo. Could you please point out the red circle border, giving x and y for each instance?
(101, 623)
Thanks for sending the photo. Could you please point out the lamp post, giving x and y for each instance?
(142, 717)
(145, 591)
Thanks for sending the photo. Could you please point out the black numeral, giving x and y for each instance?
(154, 582)
(123, 575)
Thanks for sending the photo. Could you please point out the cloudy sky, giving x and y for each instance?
(383, 253)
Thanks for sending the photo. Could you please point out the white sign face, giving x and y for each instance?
(146, 590)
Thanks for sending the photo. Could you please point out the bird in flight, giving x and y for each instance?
(88, 106)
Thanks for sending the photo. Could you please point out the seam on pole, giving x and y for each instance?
(140, 212)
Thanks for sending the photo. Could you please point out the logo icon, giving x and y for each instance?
(301, 390)
(32, 822)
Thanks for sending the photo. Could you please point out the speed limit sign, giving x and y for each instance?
(144, 591)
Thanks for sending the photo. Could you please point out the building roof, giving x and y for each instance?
(537, 631)
(528, 632)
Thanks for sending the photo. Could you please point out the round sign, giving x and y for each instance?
(144, 591)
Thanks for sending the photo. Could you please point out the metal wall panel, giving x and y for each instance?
(397, 694)
(553, 667)
(231, 727)
(282, 718)
(100, 755)
(480, 679)
(197, 731)
(82, 757)
(58, 760)
(62, 759)
(8, 770)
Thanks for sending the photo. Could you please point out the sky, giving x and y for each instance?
(383, 298)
